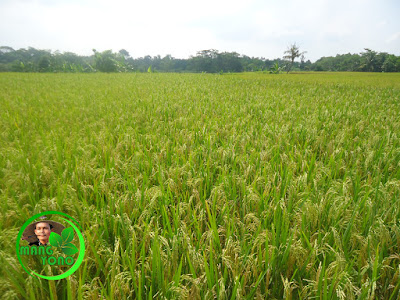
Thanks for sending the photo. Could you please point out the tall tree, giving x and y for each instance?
(389, 65)
(105, 61)
(291, 54)
(44, 64)
(370, 62)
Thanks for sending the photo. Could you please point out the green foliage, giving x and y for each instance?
(44, 64)
(391, 64)
(368, 61)
(105, 61)
(275, 69)
(212, 61)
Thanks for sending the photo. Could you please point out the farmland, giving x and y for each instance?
(199, 186)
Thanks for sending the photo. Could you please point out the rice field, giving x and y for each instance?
(202, 186)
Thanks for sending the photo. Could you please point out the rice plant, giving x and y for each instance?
(201, 186)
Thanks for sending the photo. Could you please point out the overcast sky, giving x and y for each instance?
(183, 27)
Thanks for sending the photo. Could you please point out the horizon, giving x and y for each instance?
(254, 28)
(52, 52)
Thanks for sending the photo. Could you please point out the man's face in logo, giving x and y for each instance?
(42, 231)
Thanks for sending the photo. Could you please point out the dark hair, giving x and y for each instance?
(51, 226)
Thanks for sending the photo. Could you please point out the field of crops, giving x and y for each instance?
(201, 186)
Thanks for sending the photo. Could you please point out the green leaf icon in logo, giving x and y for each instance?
(55, 240)
(67, 234)
(69, 249)
(64, 241)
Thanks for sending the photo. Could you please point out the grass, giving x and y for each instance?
(200, 186)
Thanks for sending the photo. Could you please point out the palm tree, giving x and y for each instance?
(292, 53)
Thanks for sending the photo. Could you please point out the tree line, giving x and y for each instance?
(367, 61)
(210, 61)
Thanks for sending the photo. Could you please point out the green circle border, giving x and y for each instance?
(82, 248)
